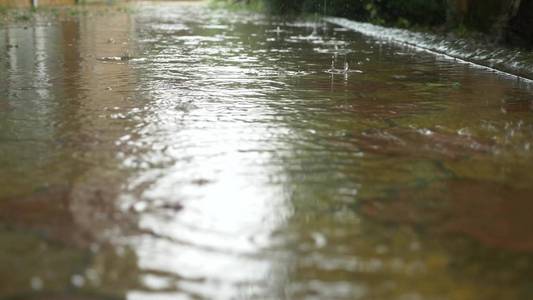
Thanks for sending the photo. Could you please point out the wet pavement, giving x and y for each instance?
(176, 151)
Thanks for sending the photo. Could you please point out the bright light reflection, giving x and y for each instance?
(231, 204)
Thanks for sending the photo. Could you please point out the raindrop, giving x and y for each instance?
(320, 239)
(36, 283)
(77, 280)
(140, 206)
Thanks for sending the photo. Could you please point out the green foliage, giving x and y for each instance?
(402, 13)
(484, 15)
(428, 12)
(462, 31)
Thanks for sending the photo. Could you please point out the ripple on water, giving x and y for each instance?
(220, 161)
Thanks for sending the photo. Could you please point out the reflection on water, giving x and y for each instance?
(181, 152)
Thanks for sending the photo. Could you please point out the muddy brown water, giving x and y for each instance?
(173, 151)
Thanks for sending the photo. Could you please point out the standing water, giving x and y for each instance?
(174, 151)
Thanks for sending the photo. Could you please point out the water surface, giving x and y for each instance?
(173, 151)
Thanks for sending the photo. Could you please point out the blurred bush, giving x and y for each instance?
(395, 12)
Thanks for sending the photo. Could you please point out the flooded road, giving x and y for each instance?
(173, 151)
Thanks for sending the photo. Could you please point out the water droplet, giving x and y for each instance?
(464, 131)
(320, 239)
(36, 283)
(77, 280)
(140, 206)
